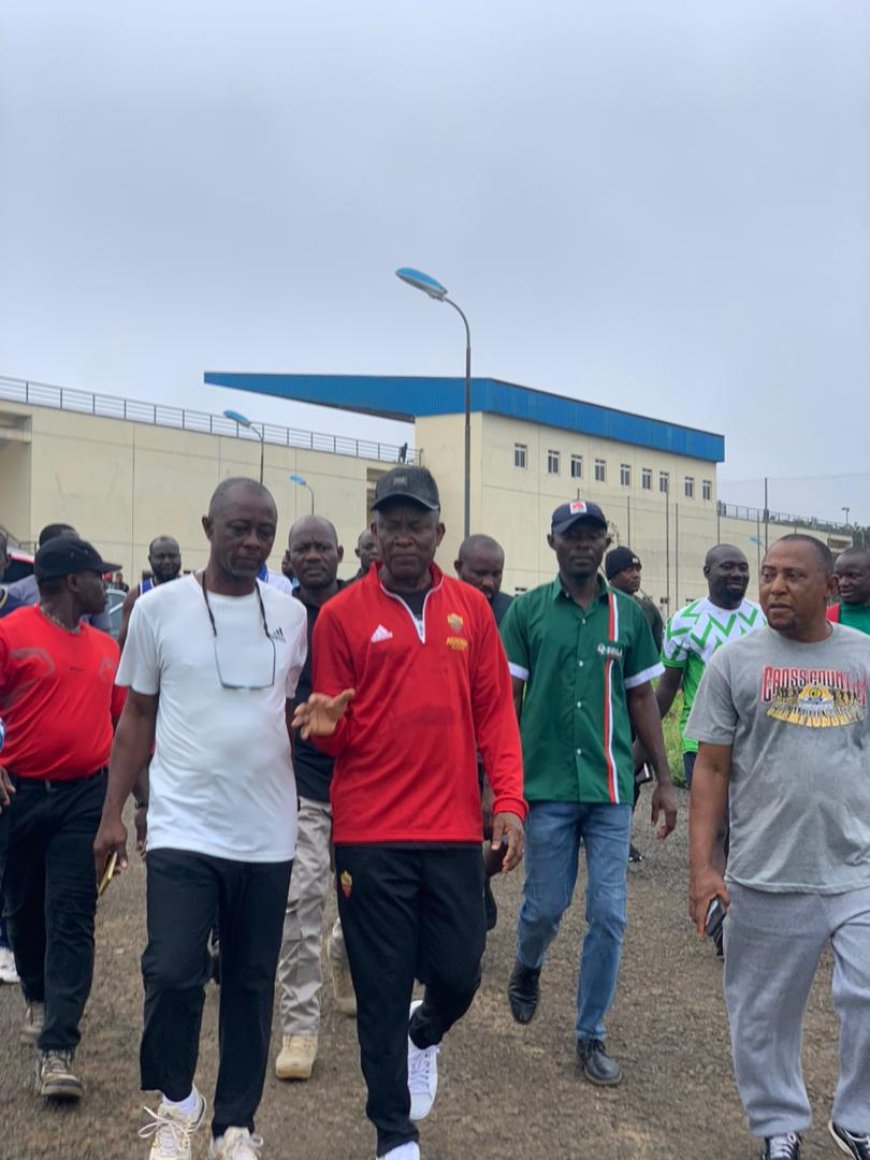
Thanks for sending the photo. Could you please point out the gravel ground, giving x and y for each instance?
(505, 1090)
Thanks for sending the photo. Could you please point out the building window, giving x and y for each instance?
(625, 474)
(600, 471)
(664, 482)
(552, 462)
(576, 466)
(706, 489)
(520, 454)
(646, 478)
(689, 487)
(519, 591)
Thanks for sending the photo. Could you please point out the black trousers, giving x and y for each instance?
(185, 891)
(407, 913)
(49, 887)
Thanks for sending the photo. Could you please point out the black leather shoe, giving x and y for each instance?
(524, 989)
(597, 1065)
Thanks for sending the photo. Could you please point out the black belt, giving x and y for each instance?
(52, 785)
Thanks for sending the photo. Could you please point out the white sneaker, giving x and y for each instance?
(236, 1144)
(422, 1075)
(409, 1151)
(8, 973)
(172, 1131)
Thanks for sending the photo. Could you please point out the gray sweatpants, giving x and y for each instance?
(773, 943)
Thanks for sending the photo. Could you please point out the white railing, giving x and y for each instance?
(160, 415)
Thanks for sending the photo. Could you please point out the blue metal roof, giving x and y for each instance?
(408, 397)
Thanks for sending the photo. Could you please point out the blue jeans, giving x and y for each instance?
(554, 831)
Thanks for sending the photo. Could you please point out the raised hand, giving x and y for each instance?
(319, 715)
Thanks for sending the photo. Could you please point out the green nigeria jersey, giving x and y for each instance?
(856, 616)
(693, 634)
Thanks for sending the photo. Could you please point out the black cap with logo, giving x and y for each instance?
(411, 484)
(64, 556)
(568, 514)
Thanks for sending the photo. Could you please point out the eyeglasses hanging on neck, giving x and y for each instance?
(250, 665)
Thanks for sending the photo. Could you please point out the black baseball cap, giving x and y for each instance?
(567, 514)
(618, 559)
(416, 484)
(65, 556)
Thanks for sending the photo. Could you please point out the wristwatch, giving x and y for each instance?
(141, 803)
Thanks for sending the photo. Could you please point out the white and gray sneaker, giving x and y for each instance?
(55, 1078)
(8, 973)
(170, 1131)
(34, 1021)
(422, 1075)
(409, 1151)
(236, 1144)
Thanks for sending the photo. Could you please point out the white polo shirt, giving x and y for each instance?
(221, 779)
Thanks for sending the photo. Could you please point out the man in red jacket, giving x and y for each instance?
(411, 679)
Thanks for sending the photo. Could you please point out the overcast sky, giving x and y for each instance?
(663, 206)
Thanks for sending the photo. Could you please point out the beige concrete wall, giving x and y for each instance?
(15, 486)
(515, 504)
(122, 483)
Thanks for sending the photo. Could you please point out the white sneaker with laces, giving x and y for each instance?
(236, 1144)
(8, 973)
(172, 1131)
(409, 1151)
(422, 1075)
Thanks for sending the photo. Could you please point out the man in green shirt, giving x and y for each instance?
(582, 660)
(853, 579)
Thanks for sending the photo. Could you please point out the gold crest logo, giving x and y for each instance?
(455, 622)
(346, 883)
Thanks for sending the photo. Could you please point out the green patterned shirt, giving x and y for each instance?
(693, 634)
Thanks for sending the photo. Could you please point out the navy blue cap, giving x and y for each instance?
(568, 514)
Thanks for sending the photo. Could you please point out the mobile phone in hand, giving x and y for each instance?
(107, 873)
(715, 917)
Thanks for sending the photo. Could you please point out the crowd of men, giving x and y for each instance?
(402, 718)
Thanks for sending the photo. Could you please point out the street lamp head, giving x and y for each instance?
(297, 479)
(238, 417)
(421, 281)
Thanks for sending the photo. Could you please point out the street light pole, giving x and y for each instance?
(434, 289)
(847, 510)
(243, 421)
(300, 482)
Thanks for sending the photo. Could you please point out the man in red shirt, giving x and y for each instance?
(58, 699)
(430, 683)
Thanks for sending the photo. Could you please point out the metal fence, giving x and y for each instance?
(180, 418)
(739, 512)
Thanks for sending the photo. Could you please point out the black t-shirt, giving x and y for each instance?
(499, 604)
(313, 767)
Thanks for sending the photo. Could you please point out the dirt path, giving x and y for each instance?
(505, 1091)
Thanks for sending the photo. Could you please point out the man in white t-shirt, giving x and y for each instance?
(211, 663)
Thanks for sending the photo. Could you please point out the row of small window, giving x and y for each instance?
(554, 467)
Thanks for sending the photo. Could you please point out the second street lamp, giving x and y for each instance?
(244, 421)
(434, 289)
(300, 482)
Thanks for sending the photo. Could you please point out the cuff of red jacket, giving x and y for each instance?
(335, 743)
(510, 805)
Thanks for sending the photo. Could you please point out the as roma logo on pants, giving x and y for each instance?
(346, 883)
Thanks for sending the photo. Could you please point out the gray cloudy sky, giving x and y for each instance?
(660, 206)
